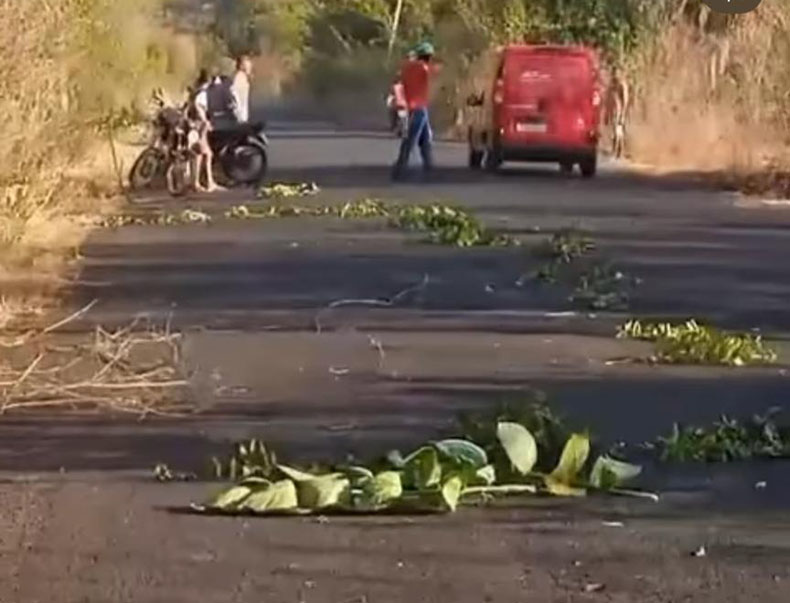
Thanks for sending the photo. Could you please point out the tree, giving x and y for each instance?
(245, 25)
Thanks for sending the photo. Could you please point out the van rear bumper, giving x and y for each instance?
(547, 153)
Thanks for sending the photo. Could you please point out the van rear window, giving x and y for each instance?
(534, 68)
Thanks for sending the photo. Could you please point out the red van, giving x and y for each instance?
(544, 105)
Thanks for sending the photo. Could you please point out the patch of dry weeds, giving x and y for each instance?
(136, 369)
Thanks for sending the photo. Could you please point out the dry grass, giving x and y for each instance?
(67, 70)
(737, 124)
(67, 67)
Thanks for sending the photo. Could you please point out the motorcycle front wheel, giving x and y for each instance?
(179, 176)
(245, 164)
(146, 168)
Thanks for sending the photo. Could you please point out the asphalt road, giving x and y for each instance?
(251, 297)
(269, 360)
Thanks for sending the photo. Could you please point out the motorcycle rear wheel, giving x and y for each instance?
(245, 164)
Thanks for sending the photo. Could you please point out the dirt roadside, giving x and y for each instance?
(107, 541)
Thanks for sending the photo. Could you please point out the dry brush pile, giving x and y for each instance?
(135, 369)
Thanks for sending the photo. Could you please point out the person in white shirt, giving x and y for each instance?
(617, 109)
(241, 88)
(199, 114)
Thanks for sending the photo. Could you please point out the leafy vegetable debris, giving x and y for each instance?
(727, 439)
(570, 257)
(444, 224)
(694, 343)
(437, 477)
(533, 412)
(288, 189)
(187, 216)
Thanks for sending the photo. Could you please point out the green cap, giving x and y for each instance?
(424, 49)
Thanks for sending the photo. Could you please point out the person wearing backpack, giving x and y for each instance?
(220, 99)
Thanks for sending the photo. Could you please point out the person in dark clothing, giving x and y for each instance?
(220, 99)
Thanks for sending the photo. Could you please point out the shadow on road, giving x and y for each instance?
(403, 415)
(362, 175)
(289, 266)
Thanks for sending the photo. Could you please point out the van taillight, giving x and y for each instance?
(499, 96)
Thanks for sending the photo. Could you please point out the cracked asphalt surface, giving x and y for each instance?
(83, 522)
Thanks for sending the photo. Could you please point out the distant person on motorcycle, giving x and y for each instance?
(200, 120)
(398, 107)
(241, 89)
(416, 76)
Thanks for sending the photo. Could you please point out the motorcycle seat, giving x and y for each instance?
(232, 127)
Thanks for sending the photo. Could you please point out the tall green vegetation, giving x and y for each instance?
(340, 47)
(252, 26)
(292, 24)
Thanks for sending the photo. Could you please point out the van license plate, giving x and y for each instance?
(530, 128)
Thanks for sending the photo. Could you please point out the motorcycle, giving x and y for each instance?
(240, 151)
(168, 144)
(399, 118)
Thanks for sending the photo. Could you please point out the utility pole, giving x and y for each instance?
(395, 25)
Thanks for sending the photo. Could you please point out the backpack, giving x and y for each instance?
(220, 97)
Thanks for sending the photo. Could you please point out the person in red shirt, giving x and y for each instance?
(415, 77)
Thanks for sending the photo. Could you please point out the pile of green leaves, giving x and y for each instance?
(569, 257)
(187, 216)
(444, 224)
(726, 440)
(288, 190)
(693, 343)
(533, 412)
(363, 208)
(447, 225)
(248, 459)
(245, 212)
(566, 245)
(603, 288)
(562, 249)
(437, 477)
